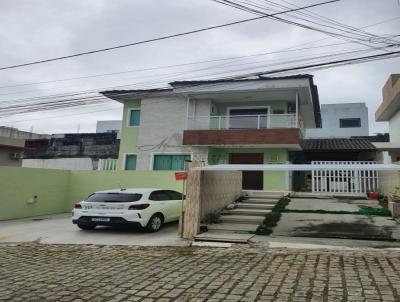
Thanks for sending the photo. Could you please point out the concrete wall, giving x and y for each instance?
(85, 163)
(161, 130)
(17, 134)
(207, 192)
(394, 128)
(108, 126)
(6, 157)
(218, 189)
(18, 186)
(331, 113)
(388, 181)
(58, 190)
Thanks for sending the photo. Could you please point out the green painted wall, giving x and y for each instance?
(273, 180)
(83, 183)
(58, 190)
(129, 135)
(18, 186)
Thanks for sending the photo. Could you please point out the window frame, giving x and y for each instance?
(124, 161)
(347, 119)
(128, 118)
(154, 154)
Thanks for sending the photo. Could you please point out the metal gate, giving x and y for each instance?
(346, 180)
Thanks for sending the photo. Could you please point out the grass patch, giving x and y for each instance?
(375, 212)
(272, 218)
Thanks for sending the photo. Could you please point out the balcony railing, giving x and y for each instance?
(268, 121)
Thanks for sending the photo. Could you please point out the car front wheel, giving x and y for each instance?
(155, 223)
(86, 226)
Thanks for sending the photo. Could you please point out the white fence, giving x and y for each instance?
(346, 180)
(107, 164)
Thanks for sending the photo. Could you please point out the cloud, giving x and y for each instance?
(33, 30)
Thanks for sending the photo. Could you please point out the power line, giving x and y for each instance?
(163, 37)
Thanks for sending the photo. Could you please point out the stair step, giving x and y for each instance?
(260, 201)
(242, 219)
(222, 236)
(246, 212)
(261, 206)
(234, 227)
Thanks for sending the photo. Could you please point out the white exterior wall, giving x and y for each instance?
(394, 128)
(61, 163)
(162, 123)
(331, 113)
(108, 126)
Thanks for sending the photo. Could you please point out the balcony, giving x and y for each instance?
(268, 121)
(280, 130)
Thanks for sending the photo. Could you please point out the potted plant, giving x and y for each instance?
(373, 195)
(394, 202)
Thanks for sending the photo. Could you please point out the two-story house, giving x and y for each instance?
(247, 121)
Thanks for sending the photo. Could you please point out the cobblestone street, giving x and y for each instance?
(34, 272)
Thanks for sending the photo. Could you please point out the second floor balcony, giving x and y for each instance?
(224, 122)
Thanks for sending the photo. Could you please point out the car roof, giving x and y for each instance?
(131, 190)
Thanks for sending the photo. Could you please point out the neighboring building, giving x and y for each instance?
(222, 121)
(12, 145)
(108, 126)
(83, 151)
(389, 111)
(341, 121)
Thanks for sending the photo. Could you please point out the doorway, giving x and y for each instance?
(251, 180)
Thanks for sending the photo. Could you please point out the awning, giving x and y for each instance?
(302, 167)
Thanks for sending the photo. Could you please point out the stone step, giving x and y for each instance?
(233, 227)
(260, 201)
(246, 212)
(223, 236)
(261, 206)
(242, 219)
(266, 194)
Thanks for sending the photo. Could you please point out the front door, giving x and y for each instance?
(252, 180)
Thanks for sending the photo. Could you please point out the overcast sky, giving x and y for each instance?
(39, 29)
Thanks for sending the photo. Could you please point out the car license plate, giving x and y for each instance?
(100, 219)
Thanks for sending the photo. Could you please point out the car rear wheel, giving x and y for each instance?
(155, 223)
(86, 226)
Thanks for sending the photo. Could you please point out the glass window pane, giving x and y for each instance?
(350, 122)
(170, 162)
(130, 162)
(134, 118)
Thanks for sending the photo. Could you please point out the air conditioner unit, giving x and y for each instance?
(18, 156)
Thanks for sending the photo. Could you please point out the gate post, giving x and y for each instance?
(190, 219)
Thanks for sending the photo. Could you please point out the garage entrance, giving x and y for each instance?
(251, 180)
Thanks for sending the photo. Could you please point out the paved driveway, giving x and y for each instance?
(58, 229)
(37, 272)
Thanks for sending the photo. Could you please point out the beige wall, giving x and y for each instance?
(388, 180)
(208, 192)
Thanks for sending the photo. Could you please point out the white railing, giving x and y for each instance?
(107, 164)
(219, 122)
(347, 180)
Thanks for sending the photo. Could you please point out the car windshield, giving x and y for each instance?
(113, 197)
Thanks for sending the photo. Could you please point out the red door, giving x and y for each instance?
(252, 180)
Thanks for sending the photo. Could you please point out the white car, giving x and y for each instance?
(149, 208)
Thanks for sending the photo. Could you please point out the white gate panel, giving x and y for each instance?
(344, 181)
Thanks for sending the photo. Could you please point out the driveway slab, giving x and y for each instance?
(337, 226)
(58, 229)
(331, 204)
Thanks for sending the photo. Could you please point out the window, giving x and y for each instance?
(133, 117)
(350, 122)
(159, 195)
(174, 195)
(130, 162)
(170, 162)
(113, 197)
(248, 118)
